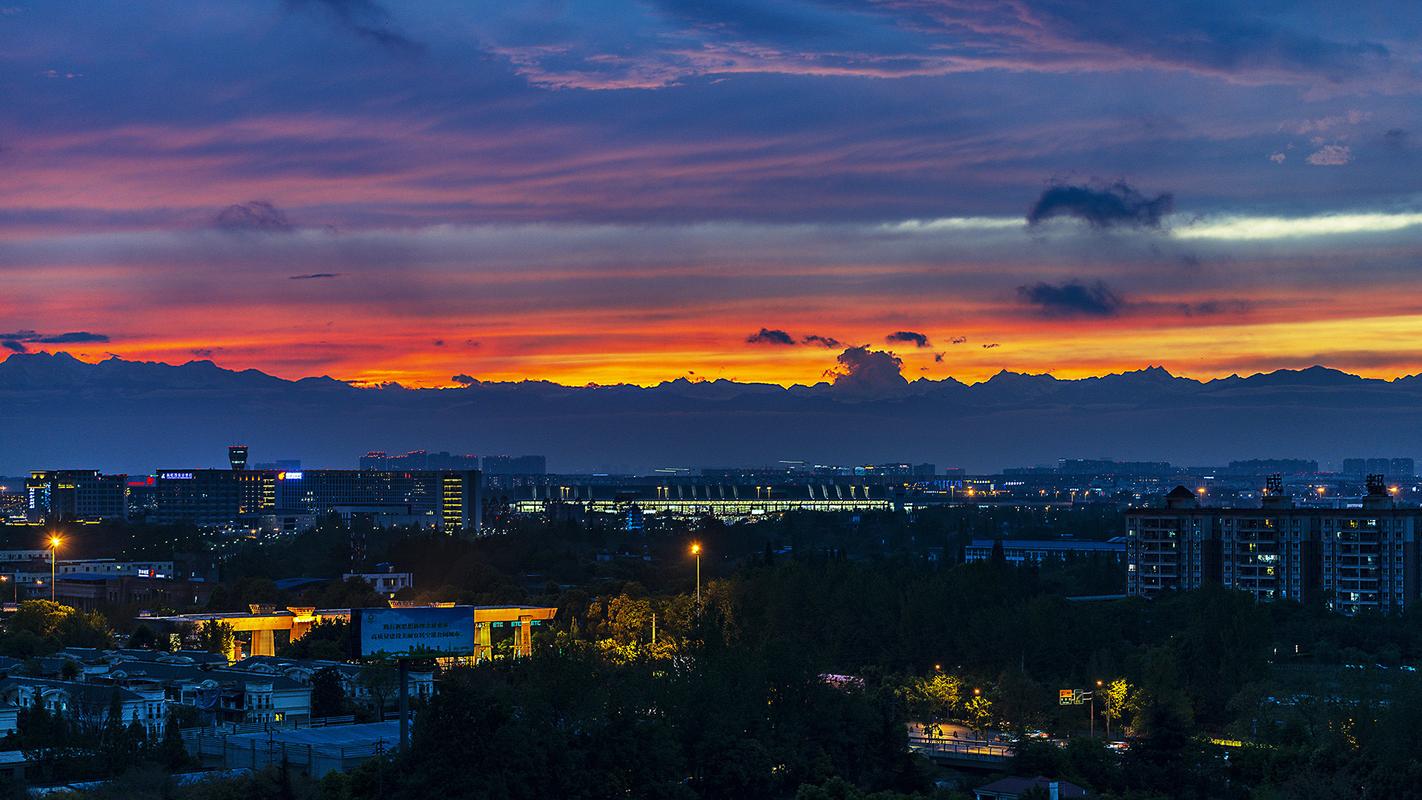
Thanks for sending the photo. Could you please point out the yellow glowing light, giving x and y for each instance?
(1200, 490)
(55, 542)
(696, 549)
(1321, 490)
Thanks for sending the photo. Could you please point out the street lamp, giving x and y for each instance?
(1093, 712)
(696, 551)
(1106, 709)
(54, 543)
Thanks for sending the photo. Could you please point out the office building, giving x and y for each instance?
(14, 505)
(237, 456)
(450, 500)
(75, 494)
(1353, 559)
(213, 497)
(1268, 466)
(418, 460)
(1393, 468)
(515, 465)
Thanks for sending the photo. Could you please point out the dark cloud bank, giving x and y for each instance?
(256, 215)
(908, 337)
(130, 416)
(777, 337)
(1071, 299)
(1115, 205)
(19, 341)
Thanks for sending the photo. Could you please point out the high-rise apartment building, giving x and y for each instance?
(1353, 559)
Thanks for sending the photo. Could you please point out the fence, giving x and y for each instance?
(961, 749)
(232, 750)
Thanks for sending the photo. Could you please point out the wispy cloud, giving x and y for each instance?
(1247, 228)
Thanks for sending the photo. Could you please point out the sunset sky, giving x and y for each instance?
(439, 192)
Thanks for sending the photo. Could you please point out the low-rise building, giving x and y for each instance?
(1036, 551)
(200, 680)
(91, 703)
(384, 581)
(357, 690)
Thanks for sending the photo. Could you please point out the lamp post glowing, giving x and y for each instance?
(1093, 712)
(54, 543)
(696, 551)
(1100, 685)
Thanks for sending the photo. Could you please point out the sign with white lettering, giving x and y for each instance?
(414, 632)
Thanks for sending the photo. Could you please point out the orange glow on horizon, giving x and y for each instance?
(368, 346)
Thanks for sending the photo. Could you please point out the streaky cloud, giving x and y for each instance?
(1246, 228)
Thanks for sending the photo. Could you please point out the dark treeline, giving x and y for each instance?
(731, 701)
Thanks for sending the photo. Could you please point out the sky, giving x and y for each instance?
(436, 193)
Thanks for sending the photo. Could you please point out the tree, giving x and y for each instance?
(215, 636)
(143, 638)
(85, 629)
(381, 681)
(1116, 701)
(328, 695)
(979, 713)
(1020, 699)
(171, 752)
(997, 557)
(24, 645)
(326, 640)
(40, 617)
(934, 698)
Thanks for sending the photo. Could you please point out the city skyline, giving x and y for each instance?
(642, 193)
